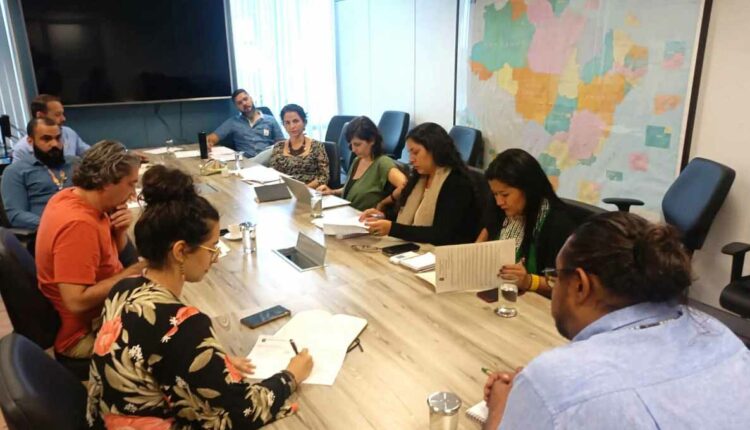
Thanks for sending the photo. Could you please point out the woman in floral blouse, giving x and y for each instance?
(300, 157)
(157, 363)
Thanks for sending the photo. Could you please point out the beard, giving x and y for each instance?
(52, 158)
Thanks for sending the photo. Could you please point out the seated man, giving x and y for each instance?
(79, 237)
(28, 184)
(48, 106)
(250, 130)
(637, 358)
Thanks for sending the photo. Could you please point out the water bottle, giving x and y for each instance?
(444, 407)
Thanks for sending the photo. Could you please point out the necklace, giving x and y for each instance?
(58, 181)
(299, 151)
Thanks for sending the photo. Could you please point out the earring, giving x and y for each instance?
(182, 270)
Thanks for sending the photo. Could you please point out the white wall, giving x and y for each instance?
(397, 55)
(722, 133)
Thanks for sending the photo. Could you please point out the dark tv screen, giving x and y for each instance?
(113, 51)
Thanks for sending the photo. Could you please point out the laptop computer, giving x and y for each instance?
(306, 255)
(303, 194)
(269, 193)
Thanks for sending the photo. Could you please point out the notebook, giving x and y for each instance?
(478, 412)
(259, 174)
(420, 263)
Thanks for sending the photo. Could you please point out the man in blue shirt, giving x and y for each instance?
(48, 106)
(28, 184)
(637, 359)
(251, 131)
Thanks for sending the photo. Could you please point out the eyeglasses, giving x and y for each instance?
(552, 275)
(214, 252)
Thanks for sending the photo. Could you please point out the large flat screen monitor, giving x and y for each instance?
(117, 51)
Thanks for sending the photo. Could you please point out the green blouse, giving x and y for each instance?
(369, 189)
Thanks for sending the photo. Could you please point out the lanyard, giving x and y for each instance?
(59, 181)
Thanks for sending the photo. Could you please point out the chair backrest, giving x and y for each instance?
(581, 211)
(36, 392)
(30, 312)
(345, 150)
(335, 126)
(468, 141)
(334, 164)
(393, 126)
(694, 198)
(266, 111)
(486, 203)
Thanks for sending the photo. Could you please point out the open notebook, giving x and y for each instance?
(478, 412)
(326, 336)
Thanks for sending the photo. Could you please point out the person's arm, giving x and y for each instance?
(78, 143)
(483, 236)
(209, 381)
(521, 408)
(16, 200)
(224, 130)
(323, 174)
(454, 200)
(80, 298)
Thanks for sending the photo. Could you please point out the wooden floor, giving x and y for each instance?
(5, 328)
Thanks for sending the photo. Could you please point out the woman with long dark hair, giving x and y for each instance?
(439, 203)
(530, 213)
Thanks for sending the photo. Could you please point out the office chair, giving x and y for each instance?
(336, 126)
(345, 153)
(266, 111)
(580, 211)
(393, 126)
(735, 297)
(692, 201)
(334, 164)
(469, 143)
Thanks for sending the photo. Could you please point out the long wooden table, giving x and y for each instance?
(416, 342)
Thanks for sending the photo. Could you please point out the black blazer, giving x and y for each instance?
(457, 215)
(555, 231)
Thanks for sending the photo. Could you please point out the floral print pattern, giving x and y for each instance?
(157, 365)
(304, 168)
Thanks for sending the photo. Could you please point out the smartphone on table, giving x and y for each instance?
(400, 249)
(265, 316)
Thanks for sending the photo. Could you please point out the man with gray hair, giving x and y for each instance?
(80, 235)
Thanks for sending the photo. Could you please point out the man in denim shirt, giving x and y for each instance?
(250, 130)
(28, 184)
(638, 359)
(48, 106)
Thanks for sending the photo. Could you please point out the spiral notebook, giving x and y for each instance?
(478, 412)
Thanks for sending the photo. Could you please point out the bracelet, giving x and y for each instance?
(534, 283)
(292, 380)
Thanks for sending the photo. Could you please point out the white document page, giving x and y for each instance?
(259, 174)
(344, 226)
(188, 154)
(162, 150)
(420, 263)
(472, 266)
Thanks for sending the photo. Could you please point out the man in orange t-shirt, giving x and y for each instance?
(80, 234)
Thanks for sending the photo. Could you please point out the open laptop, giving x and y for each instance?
(303, 194)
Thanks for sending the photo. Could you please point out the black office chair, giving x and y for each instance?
(581, 211)
(692, 201)
(35, 391)
(393, 126)
(487, 206)
(335, 127)
(266, 111)
(22, 233)
(30, 312)
(735, 297)
(469, 143)
(345, 153)
(334, 164)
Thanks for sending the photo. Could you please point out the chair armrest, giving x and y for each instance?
(737, 250)
(22, 233)
(623, 204)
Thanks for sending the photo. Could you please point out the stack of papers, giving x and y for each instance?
(222, 153)
(341, 226)
(420, 263)
(259, 174)
(162, 150)
(326, 336)
(188, 154)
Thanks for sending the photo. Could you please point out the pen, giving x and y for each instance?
(486, 371)
(376, 216)
(294, 347)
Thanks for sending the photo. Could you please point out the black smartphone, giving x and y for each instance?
(400, 249)
(265, 316)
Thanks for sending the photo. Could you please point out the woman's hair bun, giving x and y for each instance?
(163, 185)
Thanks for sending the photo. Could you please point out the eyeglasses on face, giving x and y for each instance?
(214, 252)
(552, 274)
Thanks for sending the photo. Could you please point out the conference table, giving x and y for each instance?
(416, 342)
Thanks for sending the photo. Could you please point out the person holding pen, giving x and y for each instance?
(156, 362)
(439, 203)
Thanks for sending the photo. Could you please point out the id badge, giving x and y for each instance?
(266, 132)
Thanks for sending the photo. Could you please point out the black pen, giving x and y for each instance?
(294, 347)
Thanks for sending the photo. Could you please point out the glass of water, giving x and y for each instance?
(316, 204)
(507, 294)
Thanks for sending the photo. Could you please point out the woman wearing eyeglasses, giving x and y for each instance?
(156, 362)
(529, 213)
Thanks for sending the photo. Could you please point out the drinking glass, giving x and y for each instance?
(507, 294)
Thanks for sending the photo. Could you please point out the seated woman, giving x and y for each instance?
(371, 170)
(523, 192)
(439, 203)
(156, 362)
(300, 157)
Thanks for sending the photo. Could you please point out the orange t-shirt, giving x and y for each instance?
(74, 245)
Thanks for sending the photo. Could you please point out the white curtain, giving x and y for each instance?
(12, 95)
(285, 53)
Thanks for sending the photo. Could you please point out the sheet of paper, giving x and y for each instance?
(222, 157)
(223, 249)
(420, 263)
(188, 154)
(259, 174)
(428, 277)
(222, 150)
(271, 354)
(472, 266)
(162, 150)
(344, 226)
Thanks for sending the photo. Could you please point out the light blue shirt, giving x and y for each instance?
(250, 139)
(27, 186)
(689, 372)
(73, 145)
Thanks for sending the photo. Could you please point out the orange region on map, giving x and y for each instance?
(518, 7)
(602, 96)
(666, 102)
(537, 93)
(482, 72)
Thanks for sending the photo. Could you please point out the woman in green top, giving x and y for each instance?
(371, 170)
(529, 212)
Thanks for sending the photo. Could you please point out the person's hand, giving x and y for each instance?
(371, 213)
(497, 396)
(325, 190)
(121, 218)
(378, 227)
(242, 364)
(300, 366)
(517, 271)
(505, 377)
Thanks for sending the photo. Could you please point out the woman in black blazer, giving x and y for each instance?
(523, 192)
(439, 203)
